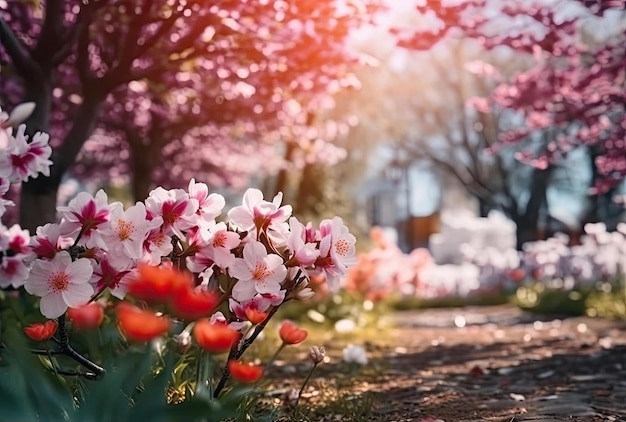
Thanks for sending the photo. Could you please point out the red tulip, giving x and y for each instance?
(214, 338)
(41, 331)
(158, 284)
(246, 373)
(139, 325)
(191, 304)
(292, 334)
(86, 317)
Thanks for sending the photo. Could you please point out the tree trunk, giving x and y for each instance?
(143, 163)
(310, 195)
(483, 207)
(528, 224)
(39, 196)
(281, 179)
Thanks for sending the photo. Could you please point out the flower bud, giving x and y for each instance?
(317, 354)
(183, 341)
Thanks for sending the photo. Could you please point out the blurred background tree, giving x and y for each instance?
(128, 60)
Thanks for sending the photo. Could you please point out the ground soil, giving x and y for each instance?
(487, 364)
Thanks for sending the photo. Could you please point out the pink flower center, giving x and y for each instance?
(324, 262)
(21, 162)
(342, 247)
(261, 272)
(219, 241)
(58, 282)
(124, 229)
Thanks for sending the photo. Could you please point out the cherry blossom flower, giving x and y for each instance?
(60, 283)
(257, 272)
(337, 252)
(125, 233)
(84, 214)
(13, 272)
(218, 245)
(105, 275)
(157, 244)
(14, 253)
(26, 160)
(4, 187)
(301, 253)
(210, 205)
(256, 214)
(253, 310)
(175, 206)
(342, 250)
(48, 241)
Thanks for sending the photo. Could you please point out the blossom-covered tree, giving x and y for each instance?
(78, 53)
(574, 91)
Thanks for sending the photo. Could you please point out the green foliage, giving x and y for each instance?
(539, 298)
(405, 304)
(607, 302)
(133, 389)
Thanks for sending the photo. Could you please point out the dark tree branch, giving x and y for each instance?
(24, 63)
(51, 38)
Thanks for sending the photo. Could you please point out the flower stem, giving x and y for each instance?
(273, 358)
(308, 377)
(204, 374)
(237, 352)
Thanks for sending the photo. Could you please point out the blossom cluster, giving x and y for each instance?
(258, 256)
(100, 245)
(482, 268)
(19, 159)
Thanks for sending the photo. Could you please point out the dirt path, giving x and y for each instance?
(499, 364)
(473, 364)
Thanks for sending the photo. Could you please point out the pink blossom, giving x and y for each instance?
(106, 275)
(300, 253)
(257, 272)
(4, 186)
(17, 239)
(176, 208)
(218, 245)
(13, 271)
(125, 233)
(60, 283)
(48, 241)
(14, 252)
(258, 303)
(26, 160)
(337, 251)
(157, 244)
(84, 214)
(210, 205)
(256, 214)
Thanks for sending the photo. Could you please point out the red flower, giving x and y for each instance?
(254, 315)
(138, 325)
(158, 284)
(215, 338)
(86, 317)
(41, 331)
(191, 304)
(246, 373)
(292, 334)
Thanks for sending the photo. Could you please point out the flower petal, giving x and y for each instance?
(52, 305)
(79, 271)
(77, 294)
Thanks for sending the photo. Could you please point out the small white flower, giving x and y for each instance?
(355, 354)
